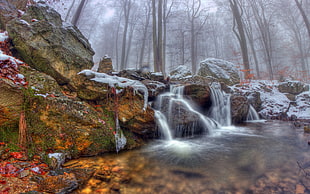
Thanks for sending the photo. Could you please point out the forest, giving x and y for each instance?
(154, 96)
(267, 39)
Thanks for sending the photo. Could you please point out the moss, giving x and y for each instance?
(9, 133)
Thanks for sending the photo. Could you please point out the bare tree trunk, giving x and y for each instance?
(160, 36)
(304, 16)
(78, 12)
(22, 134)
(126, 7)
(264, 29)
(69, 11)
(155, 40)
(145, 30)
(234, 4)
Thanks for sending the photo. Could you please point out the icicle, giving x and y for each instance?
(120, 139)
(118, 82)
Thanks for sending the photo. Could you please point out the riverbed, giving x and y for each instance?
(256, 157)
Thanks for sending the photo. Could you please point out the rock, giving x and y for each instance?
(239, 108)
(200, 94)
(48, 45)
(132, 116)
(255, 100)
(67, 125)
(58, 184)
(223, 71)
(24, 173)
(11, 100)
(292, 87)
(180, 72)
(8, 11)
(307, 128)
(184, 122)
(105, 65)
(41, 82)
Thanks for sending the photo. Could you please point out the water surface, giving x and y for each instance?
(253, 158)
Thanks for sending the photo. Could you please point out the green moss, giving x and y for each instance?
(9, 133)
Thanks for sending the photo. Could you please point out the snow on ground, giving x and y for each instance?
(8, 64)
(118, 82)
(275, 103)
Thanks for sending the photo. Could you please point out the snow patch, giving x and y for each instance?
(3, 36)
(180, 72)
(118, 83)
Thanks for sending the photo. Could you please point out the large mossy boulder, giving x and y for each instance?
(222, 71)
(48, 45)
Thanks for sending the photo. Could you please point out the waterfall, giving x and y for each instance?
(220, 110)
(252, 114)
(163, 125)
(176, 116)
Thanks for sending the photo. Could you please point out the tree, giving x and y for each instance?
(127, 4)
(197, 20)
(304, 16)
(78, 12)
(157, 21)
(240, 34)
(264, 24)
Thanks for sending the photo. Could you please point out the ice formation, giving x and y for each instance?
(118, 83)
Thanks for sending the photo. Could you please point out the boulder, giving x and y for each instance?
(131, 114)
(119, 95)
(47, 45)
(11, 100)
(239, 108)
(200, 94)
(180, 72)
(222, 71)
(292, 87)
(105, 65)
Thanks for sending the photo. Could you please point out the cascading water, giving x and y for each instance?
(220, 110)
(176, 116)
(252, 114)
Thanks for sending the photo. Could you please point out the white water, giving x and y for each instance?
(167, 125)
(252, 114)
(220, 110)
(163, 125)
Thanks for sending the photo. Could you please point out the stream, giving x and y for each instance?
(256, 157)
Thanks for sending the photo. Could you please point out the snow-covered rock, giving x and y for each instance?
(223, 71)
(275, 104)
(293, 87)
(180, 72)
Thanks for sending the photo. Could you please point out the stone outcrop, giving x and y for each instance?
(239, 108)
(222, 71)
(292, 87)
(47, 45)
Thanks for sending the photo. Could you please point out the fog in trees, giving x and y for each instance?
(267, 39)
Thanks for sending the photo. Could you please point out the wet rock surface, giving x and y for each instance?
(239, 109)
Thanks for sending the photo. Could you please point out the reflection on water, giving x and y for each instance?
(254, 158)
